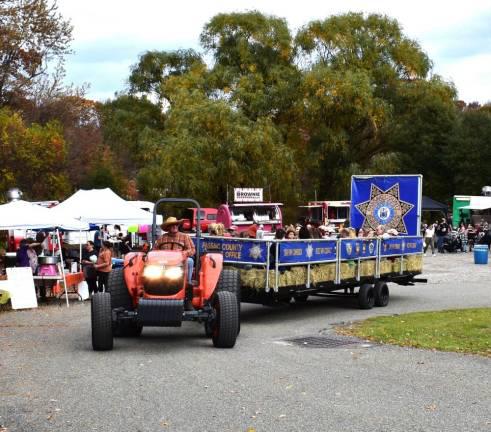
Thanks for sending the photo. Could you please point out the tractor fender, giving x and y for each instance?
(211, 268)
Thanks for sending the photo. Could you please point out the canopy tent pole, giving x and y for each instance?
(80, 250)
(62, 267)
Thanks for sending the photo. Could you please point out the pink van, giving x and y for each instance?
(243, 215)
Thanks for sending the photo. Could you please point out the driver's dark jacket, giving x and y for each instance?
(179, 241)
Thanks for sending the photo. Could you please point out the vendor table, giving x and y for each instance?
(72, 281)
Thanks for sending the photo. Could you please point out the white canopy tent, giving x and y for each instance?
(144, 205)
(478, 203)
(25, 215)
(102, 207)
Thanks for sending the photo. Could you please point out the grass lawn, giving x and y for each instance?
(464, 331)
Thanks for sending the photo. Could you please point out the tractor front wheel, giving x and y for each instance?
(230, 281)
(226, 323)
(102, 332)
(121, 299)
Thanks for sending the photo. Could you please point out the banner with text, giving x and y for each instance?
(398, 246)
(235, 250)
(305, 251)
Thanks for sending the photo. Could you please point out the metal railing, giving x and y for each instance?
(346, 249)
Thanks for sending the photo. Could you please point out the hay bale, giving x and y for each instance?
(253, 278)
(323, 273)
(415, 263)
(348, 270)
(298, 275)
(385, 266)
(367, 268)
(396, 265)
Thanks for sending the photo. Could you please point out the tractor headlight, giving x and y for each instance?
(153, 272)
(173, 273)
(160, 272)
(162, 280)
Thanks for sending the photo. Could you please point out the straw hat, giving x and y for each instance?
(171, 221)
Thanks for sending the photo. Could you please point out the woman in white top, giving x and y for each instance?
(429, 239)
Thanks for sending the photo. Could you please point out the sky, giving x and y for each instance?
(110, 35)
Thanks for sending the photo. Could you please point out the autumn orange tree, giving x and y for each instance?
(31, 157)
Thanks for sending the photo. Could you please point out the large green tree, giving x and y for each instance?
(128, 124)
(468, 155)
(346, 95)
(359, 73)
(253, 62)
(207, 145)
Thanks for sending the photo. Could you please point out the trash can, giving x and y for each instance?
(480, 254)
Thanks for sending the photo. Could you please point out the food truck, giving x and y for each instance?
(274, 271)
(248, 208)
(327, 212)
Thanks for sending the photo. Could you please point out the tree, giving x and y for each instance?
(127, 124)
(105, 173)
(32, 157)
(421, 130)
(253, 67)
(350, 94)
(207, 146)
(32, 34)
(374, 43)
(149, 76)
(469, 152)
(359, 74)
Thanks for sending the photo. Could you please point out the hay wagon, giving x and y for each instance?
(275, 271)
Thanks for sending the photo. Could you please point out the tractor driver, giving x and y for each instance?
(173, 239)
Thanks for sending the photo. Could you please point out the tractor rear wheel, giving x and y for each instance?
(120, 298)
(226, 322)
(102, 335)
(230, 281)
(116, 286)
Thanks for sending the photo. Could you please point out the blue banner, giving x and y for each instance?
(391, 201)
(291, 252)
(235, 250)
(398, 246)
(305, 251)
(358, 248)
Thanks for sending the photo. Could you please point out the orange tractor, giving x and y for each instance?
(152, 289)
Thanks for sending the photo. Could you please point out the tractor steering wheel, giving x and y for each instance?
(182, 245)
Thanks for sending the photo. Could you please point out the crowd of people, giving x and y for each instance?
(441, 237)
(303, 229)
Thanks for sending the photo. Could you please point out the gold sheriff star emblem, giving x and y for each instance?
(385, 208)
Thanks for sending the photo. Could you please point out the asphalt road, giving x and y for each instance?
(172, 379)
